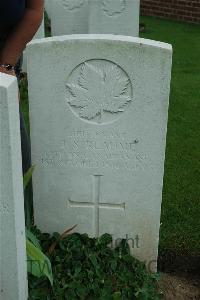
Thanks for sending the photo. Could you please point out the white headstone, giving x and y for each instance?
(95, 16)
(39, 34)
(115, 17)
(47, 5)
(98, 135)
(13, 271)
(69, 17)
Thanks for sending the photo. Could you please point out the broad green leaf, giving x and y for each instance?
(38, 263)
(32, 238)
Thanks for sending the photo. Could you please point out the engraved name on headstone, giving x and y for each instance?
(99, 147)
(13, 271)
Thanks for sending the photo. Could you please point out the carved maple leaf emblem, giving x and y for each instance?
(113, 7)
(72, 4)
(99, 90)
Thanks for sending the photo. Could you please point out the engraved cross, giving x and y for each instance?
(97, 204)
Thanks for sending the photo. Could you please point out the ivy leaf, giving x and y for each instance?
(117, 296)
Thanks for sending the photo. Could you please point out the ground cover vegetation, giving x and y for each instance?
(89, 268)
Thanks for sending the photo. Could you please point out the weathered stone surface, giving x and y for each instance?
(98, 128)
(13, 273)
(95, 16)
(69, 16)
(115, 17)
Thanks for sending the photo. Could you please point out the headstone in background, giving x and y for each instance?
(95, 16)
(69, 17)
(13, 272)
(47, 5)
(115, 17)
(98, 135)
(39, 35)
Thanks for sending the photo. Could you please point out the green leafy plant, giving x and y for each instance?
(38, 263)
(89, 268)
(28, 197)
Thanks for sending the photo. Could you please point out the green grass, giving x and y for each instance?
(180, 230)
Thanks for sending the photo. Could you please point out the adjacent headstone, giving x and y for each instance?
(95, 16)
(39, 34)
(13, 271)
(69, 17)
(47, 5)
(115, 17)
(98, 129)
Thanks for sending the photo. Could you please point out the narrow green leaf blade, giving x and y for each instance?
(27, 176)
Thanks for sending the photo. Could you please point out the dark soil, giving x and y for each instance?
(169, 261)
(180, 286)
